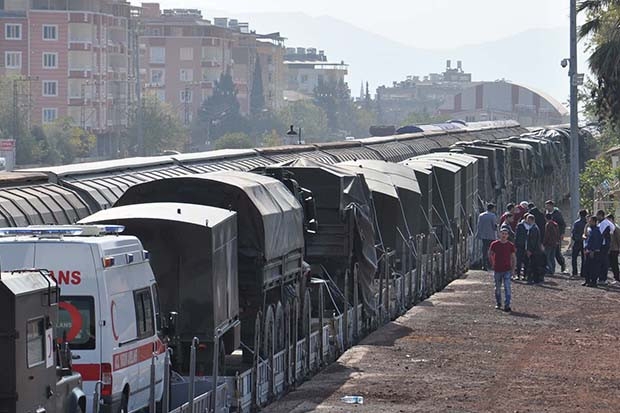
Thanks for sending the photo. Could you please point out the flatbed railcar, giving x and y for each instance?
(441, 237)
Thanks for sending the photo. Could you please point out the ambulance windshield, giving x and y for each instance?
(76, 322)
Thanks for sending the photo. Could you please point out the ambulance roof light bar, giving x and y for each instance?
(58, 231)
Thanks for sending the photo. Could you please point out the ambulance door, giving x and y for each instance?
(73, 267)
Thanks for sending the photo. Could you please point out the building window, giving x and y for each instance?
(186, 96)
(157, 55)
(49, 115)
(50, 32)
(50, 60)
(187, 53)
(35, 342)
(158, 76)
(13, 60)
(13, 31)
(161, 95)
(50, 88)
(186, 75)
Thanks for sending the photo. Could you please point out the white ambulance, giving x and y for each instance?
(109, 309)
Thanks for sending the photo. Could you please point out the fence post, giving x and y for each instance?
(321, 321)
(386, 270)
(356, 321)
(216, 366)
(345, 314)
(256, 372)
(165, 400)
(192, 373)
(152, 384)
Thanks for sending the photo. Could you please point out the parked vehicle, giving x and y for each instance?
(108, 310)
(37, 375)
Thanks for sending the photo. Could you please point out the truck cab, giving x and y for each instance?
(108, 308)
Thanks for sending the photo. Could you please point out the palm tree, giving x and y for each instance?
(602, 29)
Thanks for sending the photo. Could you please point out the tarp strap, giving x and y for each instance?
(409, 244)
(471, 232)
(430, 224)
(329, 289)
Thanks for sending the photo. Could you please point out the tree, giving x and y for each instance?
(257, 95)
(220, 113)
(602, 29)
(311, 118)
(63, 142)
(595, 173)
(162, 128)
(272, 138)
(334, 97)
(233, 141)
(424, 118)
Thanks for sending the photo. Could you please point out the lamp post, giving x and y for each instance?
(575, 80)
(292, 132)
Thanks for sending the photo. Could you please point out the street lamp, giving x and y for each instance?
(292, 132)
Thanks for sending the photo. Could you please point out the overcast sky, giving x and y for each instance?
(427, 24)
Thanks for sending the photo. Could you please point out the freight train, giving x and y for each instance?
(276, 260)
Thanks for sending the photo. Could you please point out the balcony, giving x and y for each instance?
(207, 62)
(80, 46)
(80, 73)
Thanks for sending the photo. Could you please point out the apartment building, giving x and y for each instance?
(270, 49)
(307, 67)
(182, 56)
(74, 56)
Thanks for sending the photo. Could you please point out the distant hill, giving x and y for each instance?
(531, 58)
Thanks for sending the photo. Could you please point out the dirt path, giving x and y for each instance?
(559, 351)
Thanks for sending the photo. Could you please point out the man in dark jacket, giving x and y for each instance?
(551, 242)
(577, 242)
(539, 217)
(520, 241)
(507, 225)
(557, 217)
(592, 250)
(532, 248)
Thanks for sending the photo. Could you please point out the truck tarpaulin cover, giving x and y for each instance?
(191, 246)
(355, 198)
(269, 216)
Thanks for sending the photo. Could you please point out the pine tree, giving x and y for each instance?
(257, 95)
(220, 113)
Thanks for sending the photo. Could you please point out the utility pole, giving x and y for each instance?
(574, 119)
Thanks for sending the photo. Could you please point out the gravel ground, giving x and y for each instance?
(558, 351)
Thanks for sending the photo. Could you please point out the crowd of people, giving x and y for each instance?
(525, 243)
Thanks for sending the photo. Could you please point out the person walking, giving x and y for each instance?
(533, 251)
(521, 235)
(551, 241)
(509, 210)
(614, 249)
(593, 241)
(539, 218)
(507, 225)
(503, 260)
(558, 219)
(519, 213)
(577, 242)
(487, 232)
(606, 227)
